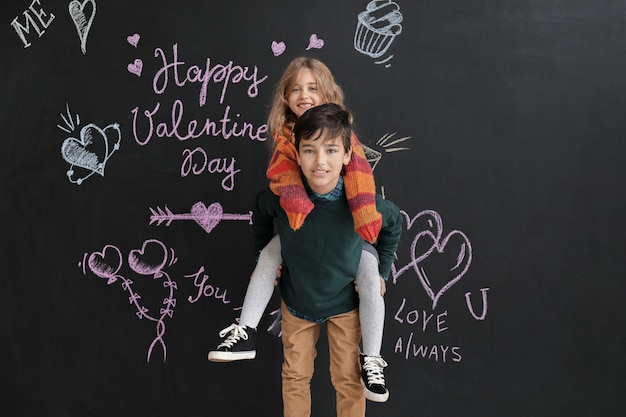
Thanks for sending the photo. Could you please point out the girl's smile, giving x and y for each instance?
(303, 94)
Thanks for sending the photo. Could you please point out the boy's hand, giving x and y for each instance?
(383, 287)
(279, 273)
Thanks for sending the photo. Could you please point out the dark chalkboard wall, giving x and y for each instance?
(496, 126)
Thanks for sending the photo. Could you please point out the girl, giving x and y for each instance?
(306, 83)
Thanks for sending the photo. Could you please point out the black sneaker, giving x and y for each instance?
(373, 379)
(238, 345)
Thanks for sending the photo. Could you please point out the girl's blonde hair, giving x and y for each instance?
(280, 113)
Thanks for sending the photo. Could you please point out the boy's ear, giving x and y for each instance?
(347, 157)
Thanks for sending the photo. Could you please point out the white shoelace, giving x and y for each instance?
(236, 331)
(374, 368)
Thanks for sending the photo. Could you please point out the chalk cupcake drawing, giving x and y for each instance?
(377, 27)
(91, 150)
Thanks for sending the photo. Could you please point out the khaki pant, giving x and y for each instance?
(299, 338)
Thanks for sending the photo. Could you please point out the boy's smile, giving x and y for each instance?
(322, 160)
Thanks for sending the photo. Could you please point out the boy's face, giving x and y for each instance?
(321, 161)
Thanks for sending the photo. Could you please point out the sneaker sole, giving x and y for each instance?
(219, 356)
(374, 396)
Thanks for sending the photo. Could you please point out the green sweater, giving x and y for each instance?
(321, 258)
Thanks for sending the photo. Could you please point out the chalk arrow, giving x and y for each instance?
(206, 217)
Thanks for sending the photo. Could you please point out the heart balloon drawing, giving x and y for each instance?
(106, 264)
(430, 242)
(91, 150)
(150, 260)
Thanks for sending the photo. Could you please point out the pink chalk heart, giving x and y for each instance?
(278, 48)
(136, 67)
(106, 264)
(150, 259)
(207, 217)
(428, 251)
(456, 245)
(315, 42)
(90, 151)
(133, 39)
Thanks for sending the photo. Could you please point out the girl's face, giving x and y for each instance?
(303, 93)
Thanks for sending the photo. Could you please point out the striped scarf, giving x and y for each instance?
(285, 181)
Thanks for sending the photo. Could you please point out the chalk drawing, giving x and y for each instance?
(213, 73)
(377, 27)
(91, 150)
(386, 143)
(150, 260)
(432, 241)
(315, 42)
(468, 295)
(82, 16)
(206, 289)
(39, 22)
(275, 327)
(206, 217)
(133, 39)
(278, 48)
(135, 67)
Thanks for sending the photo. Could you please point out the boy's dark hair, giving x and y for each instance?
(327, 120)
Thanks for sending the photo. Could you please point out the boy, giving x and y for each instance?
(320, 263)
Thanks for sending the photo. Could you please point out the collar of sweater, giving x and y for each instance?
(333, 195)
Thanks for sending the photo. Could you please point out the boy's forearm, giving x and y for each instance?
(388, 240)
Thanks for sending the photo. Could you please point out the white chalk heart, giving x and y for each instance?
(90, 151)
(207, 217)
(81, 20)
